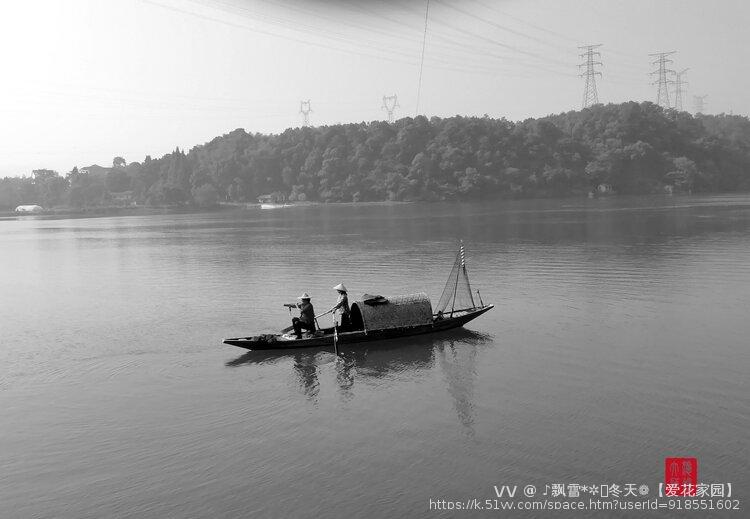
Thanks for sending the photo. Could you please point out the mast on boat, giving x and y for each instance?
(457, 292)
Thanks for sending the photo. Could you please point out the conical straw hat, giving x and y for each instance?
(305, 295)
(340, 287)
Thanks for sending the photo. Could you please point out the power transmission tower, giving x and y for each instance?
(390, 103)
(662, 95)
(699, 103)
(304, 109)
(590, 95)
(678, 88)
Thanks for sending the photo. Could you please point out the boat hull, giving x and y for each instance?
(327, 338)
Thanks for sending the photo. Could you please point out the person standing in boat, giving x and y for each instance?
(342, 308)
(306, 319)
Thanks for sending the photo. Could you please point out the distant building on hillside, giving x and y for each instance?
(95, 170)
(32, 208)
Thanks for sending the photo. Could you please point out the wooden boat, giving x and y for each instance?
(375, 318)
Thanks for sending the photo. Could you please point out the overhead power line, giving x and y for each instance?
(438, 41)
(498, 43)
(495, 24)
(353, 46)
(345, 49)
(421, 63)
(520, 60)
(567, 38)
(529, 24)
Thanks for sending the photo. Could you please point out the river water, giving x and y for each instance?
(619, 337)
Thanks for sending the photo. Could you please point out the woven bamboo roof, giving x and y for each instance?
(399, 312)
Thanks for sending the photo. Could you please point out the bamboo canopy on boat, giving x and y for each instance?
(397, 312)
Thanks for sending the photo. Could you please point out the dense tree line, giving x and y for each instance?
(629, 148)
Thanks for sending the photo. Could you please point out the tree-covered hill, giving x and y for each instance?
(629, 148)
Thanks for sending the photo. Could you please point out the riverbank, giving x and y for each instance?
(141, 210)
(577, 201)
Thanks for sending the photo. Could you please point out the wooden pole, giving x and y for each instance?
(455, 287)
(335, 336)
(466, 276)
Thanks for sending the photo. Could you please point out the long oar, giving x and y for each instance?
(320, 315)
(335, 331)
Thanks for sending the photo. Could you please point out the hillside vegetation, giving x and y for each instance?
(631, 148)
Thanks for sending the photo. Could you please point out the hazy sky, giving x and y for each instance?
(87, 80)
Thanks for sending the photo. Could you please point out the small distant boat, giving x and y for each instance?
(375, 318)
(29, 209)
(273, 201)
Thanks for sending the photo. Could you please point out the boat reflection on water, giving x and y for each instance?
(453, 352)
(459, 366)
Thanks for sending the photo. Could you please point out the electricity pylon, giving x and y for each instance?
(662, 94)
(699, 103)
(390, 103)
(678, 89)
(304, 109)
(590, 95)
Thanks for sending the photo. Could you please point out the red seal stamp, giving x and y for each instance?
(680, 476)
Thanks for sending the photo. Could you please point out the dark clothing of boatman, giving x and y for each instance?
(306, 319)
(342, 308)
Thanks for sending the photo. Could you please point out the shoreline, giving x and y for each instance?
(175, 209)
(234, 206)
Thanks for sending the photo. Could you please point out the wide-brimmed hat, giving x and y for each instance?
(304, 296)
(340, 287)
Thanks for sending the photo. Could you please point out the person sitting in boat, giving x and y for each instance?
(342, 308)
(306, 319)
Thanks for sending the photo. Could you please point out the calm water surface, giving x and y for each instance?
(619, 337)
